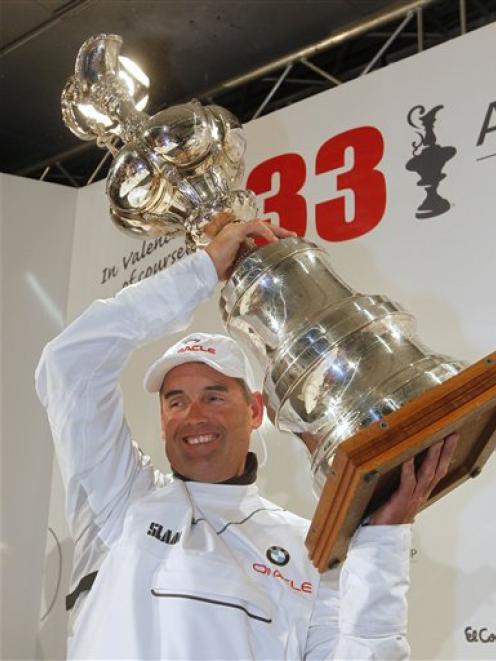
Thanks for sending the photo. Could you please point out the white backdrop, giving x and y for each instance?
(37, 221)
(441, 269)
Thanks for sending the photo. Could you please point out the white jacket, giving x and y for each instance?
(185, 569)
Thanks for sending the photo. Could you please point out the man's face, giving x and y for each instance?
(207, 422)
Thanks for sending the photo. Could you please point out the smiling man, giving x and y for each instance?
(197, 564)
(207, 406)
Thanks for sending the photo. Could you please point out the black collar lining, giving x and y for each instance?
(248, 476)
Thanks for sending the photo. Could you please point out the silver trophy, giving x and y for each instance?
(335, 360)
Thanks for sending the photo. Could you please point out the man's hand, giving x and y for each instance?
(416, 486)
(229, 237)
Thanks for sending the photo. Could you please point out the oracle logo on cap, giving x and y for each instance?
(197, 347)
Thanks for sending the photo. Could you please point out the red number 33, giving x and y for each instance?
(366, 182)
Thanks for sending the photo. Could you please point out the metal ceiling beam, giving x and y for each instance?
(274, 89)
(307, 82)
(320, 71)
(66, 174)
(463, 17)
(420, 31)
(45, 172)
(65, 155)
(336, 38)
(111, 152)
(72, 7)
(328, 76)
(388, 43)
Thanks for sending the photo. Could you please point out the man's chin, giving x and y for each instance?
(206, 468)
(212, 472)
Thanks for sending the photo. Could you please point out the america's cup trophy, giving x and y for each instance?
(344, 371)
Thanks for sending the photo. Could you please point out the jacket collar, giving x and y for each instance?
(248, 476)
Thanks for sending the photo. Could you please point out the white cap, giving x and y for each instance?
(219, 351)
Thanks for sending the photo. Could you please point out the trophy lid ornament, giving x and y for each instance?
(173, 170)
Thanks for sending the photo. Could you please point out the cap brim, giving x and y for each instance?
(155, 376)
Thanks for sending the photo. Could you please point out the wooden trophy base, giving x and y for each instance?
(366, 467)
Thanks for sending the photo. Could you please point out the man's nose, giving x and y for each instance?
(197, 411)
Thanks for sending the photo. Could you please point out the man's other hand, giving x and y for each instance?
(416, 485)
(229, 236)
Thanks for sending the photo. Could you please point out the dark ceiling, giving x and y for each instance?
(188, 48)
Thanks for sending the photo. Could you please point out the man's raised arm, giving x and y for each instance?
(77, 377)
(77, 381)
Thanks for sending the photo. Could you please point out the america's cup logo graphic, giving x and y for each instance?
(428, 160)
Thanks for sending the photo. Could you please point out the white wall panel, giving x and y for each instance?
(37, 222)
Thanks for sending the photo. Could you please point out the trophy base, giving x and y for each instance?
(433, 205)
(366, 468)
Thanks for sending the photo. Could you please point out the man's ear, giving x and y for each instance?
(162, 430)
(257, 409)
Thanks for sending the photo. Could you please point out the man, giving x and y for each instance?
(197, 565)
